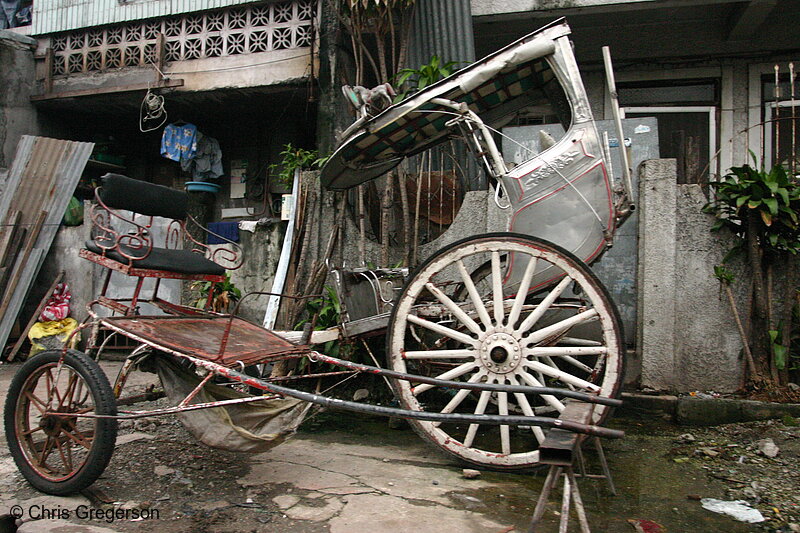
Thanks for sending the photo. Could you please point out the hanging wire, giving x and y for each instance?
(152, 109)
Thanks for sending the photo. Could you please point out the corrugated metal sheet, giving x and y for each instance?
(443, 28)
(50, 16)
(42, 177)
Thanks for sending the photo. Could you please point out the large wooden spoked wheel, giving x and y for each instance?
(461, 316)
(57, 452)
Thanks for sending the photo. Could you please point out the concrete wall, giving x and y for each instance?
(17, 114)
(687, 339)
(229, 72)
(82, 276)
(262, 251)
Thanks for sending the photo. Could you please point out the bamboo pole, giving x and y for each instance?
(401, 181)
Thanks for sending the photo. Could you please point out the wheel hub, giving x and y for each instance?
(51, 425)
(500, 353)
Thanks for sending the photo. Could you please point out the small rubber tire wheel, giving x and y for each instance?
(60, 454)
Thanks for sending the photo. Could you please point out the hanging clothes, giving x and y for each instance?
(179, 142)
(8, 13)
(206, 164)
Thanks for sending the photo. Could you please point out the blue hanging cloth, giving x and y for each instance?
(228, 230)
(179, 142)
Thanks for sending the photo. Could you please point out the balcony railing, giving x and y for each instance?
(234, 31)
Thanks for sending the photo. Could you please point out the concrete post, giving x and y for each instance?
(657, 273)
(17, 82)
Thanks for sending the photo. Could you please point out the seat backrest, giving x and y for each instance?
(122, 192)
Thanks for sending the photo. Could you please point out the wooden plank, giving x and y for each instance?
(14, 247)
(165, 84)
(48, 71)
(10, 228)
(22, 262)
(161, 41)
(24, 333)
(559, 444)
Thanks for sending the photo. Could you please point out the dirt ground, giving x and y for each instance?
(349, 474)
(757, 461)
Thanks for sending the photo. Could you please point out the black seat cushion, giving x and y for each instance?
(181, 261)
(122, 192)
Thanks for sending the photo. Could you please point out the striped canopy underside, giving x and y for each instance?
(422, 128)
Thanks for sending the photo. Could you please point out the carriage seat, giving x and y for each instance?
(133, 246)
(179, 261)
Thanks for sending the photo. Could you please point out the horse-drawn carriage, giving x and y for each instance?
(488, 342)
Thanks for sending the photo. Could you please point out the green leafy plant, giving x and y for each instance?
(293, 158)
(327, 311)
(779, 351)
(762, 210)
(223, 296)
(770, 200)
(419, 78)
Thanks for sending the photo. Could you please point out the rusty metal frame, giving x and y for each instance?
(108, 239)
(214, 368)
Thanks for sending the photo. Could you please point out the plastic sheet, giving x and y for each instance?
(52, 335)
(738, 509)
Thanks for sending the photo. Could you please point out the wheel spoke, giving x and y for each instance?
(439, 354)
(578, 342)
(45, 450)
(565, 354)
(560, 327)
(522, 292)
(479, 410)
(86, 443)
(577, 364)
(454, 308)
(505, 435)
(549, 362)
(560, 351)
(48, 381)
(31, 431)
(477, 301)
(69, 455)
(527, 410)
(542, 308)
(562, 376)
(36, 401)
(450, 374)
(549, 398)
(56, 392)
(497, 289)
(442, 330)
(459, 396)
(66, 400)
(67, 464)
